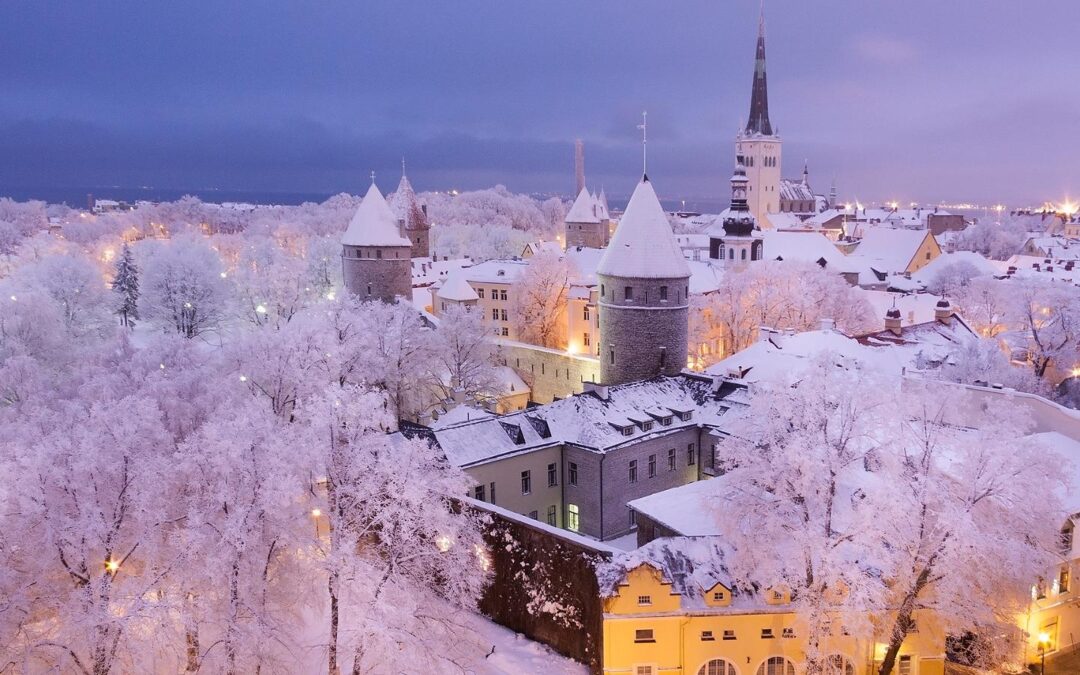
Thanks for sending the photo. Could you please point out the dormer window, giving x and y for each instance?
(666, 421)
(627, 431)
(718, 596)
(685, 416)
(646, 426)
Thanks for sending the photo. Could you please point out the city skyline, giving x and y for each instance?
(896, 104)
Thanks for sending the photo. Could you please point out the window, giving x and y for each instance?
(627, 430)
(492, 486)
(665, 421)
(742, 254)
(707, 636)
(731, 254)
(506, 332)
(718, 596)
(526, 482)
(502, 294)
(480, 293)
(685, 416)
(652, 466)
(478, 492)
(905, 666)
(767, 634)
(663, 292)
(776, 665)
(632, 477)
(553, 475)
(585, 339)
(838, 665)
(671, 459)
(644, 670)
(612, 356)
(535, 515)
(601, 290)
(1067, 537)
(643, 600)
(691, 456)
(729, 635)
(663, 356)
(631, 517)
(573, 517)
(1063, 579)
(717, 666)
(586, 313)
(573, 473)
(551, 515)
(502, 314)
(494, 315)
(378, 253)
(787, 633)
(644, 635)
(646, 426)
(628, 293)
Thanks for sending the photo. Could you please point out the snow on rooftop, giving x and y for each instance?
(457, 288)
(926, 274)
(495, 271)
(586, 209)
(683, 509)
(890, 248)
(374, 223)
(805, 246)
(692, 565)
(643, 246)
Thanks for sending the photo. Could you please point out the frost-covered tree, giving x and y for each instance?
(75, 287)
(399, 357)
(182, 287)
(829, 457)
(412, 559)
(984, 360)
(539, 308)
(1046, 315)
(271, 285)
(997, 238)
(952, 277)
(125, 284)
(464, 354)
(983, 302)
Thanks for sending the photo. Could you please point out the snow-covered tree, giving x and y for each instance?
(410, 556)
(125, 284)
(984, 360)
(539, 308)
(952, 277)
(997, 238)
(1046, 315)
(182, 287)
(74, 285)
(271, 285)
(983, 302)
(464, 354)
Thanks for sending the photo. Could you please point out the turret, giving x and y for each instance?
(375, 257)
(412, 218)
(739, 241)
(643, 301)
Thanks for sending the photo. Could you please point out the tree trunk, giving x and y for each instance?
(903, 624)
(234, 616)
(332, 658)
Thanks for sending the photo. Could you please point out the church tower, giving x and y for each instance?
(740, 240)
(375, 256)
(644, 284)
(759, 145)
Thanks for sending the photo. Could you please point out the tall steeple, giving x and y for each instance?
(759, 97)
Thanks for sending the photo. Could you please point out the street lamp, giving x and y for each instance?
(1044, 642)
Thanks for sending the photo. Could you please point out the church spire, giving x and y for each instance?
(759, 97)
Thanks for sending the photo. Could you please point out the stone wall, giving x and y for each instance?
(550, 373)
(544, 584)
(649, 336)
(369, 277)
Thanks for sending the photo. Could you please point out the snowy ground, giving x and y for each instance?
(627, 542)
(518, 655)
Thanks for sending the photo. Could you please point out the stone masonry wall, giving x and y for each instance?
(640, 328)
(388, 277)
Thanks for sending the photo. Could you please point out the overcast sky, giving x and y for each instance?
(916, 100)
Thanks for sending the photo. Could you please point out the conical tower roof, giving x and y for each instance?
(758, 123)
(406, 206)
(374, 223)
(644, 246)
(584, 209)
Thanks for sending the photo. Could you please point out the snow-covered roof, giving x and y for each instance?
(795, 190)
(457, 288)
(926, 274)
(426, 271)
(788, 221)
(583, 264)
(406, 206)
(914, 308)
(587, 208)
(374, 223)
(1036, 266)
(692, 565)
(890, 249)
(704, 278)
(495, 271)
(643, 246)
(460, 413)
(805, 246)
(683, 509)
(587, 420)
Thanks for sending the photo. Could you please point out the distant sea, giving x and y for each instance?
(76, 196)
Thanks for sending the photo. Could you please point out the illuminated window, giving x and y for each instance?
(838, 665)
(716, 666)
(573, 517)
(776, 665)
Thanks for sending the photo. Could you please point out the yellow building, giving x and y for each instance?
(688, 622)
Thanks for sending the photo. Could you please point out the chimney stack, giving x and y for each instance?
(892, 321)
(943, 311)
(579, 166)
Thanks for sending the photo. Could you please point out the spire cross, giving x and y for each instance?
(644, 126)
(373, 177)
(403, 166)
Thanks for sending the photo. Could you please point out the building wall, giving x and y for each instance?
(583, 334)
(763, 189)
(591, 235)
(506, 474)
(678, 647)
(550, 373)
(617, 488)
(421, 241)
(491, 299)
(648, 336)
(939, 223)
(927, 251)
(371, 277)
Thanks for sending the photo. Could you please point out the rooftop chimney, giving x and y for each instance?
(892, 321)
(943, 311)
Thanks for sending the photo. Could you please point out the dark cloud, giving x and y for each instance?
(919, 100)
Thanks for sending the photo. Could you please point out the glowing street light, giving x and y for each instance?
(1044, 644)
(316, 512)
(112, 566)
(260, 309)
(443, 543)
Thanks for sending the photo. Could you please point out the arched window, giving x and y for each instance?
(717, 667)
(776, 665)
(731, 254)
(743, 254)
(838, 665)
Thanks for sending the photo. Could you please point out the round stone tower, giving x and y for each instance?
(375, 257)
(644, 284)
